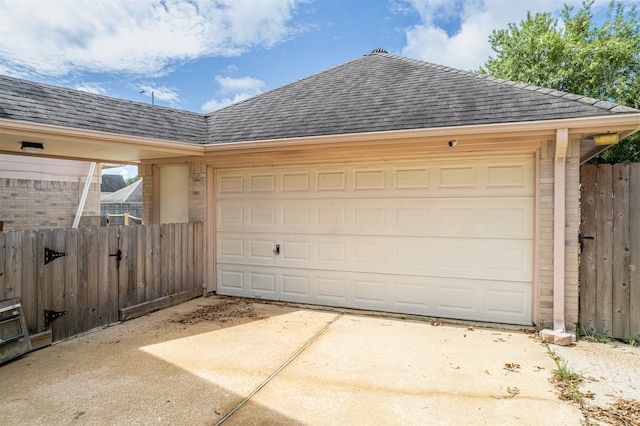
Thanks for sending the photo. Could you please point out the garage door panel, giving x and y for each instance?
(446, 238)
(432, 296)
(474, 217)
(491, 259)
(296, 285)
(478, 177)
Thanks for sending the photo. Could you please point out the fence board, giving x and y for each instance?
(620, 267)
(73, 324)
(634, 251)
(189, 277)
(177, 255)
(588, 228)
(12, 268)
(57, 270)
(198, 254)
(164, 256)
(141, 253)
(44, 277)
(103, 276)
(604, 250)
(124, 298)
(29, 296)
(87, 282)
(156, 260)
(112, 301)
(171, 277)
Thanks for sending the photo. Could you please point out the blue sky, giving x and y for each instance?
(201, 55)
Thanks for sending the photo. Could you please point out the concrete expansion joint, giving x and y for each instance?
(282, 367)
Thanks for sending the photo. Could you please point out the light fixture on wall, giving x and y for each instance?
(32, 147)
(606, 139)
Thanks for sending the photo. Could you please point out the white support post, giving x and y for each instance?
(83, 199)
(559, 225)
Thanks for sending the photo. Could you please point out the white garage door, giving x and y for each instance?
(440, 238)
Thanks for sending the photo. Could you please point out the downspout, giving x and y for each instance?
(85, 192)
(559, 224)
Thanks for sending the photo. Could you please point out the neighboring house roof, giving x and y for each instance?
(376, 92)
(112, 183)
(42, 103)
(382, 92)
(129, 194)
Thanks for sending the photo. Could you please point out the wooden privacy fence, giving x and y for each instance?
(99, 275)
(610, 258)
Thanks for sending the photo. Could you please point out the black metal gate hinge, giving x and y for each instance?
(51, 255)
(50, 316)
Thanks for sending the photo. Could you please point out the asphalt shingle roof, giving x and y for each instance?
(381, 92)
(41, 103)
(376, 92)
(112, 183)
(128, 194)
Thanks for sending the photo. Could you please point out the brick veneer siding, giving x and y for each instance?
(35, 204)
(545, 234)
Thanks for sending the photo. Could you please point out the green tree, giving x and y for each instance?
(131, 180)
(574, 55)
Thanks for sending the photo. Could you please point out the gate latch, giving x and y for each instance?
(118, 256)
(51, 255)
(581, 238)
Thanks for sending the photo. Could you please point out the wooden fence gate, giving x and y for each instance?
(610, 255)
(99, 275)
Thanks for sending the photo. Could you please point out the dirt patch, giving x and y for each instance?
(222, 312)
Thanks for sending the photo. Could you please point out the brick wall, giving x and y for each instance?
(34, 204)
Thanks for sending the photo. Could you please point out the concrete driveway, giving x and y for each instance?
(215, 359)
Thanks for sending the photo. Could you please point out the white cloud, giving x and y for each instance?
(125, 171)
(138, 37)
(94, 88)
(233, 90)
(467, 47)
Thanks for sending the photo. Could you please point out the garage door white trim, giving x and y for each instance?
(447, 238)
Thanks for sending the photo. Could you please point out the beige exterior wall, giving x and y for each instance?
(174, 193)
(545, 234)
(196, 191)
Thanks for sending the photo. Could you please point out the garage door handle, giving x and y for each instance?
(277, 249)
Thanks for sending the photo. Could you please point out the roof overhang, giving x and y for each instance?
(487, 135)
(89, 145)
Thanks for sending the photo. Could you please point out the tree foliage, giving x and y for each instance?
(131, 180)
(574, 55)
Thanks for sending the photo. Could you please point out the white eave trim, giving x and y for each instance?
(49, 130)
